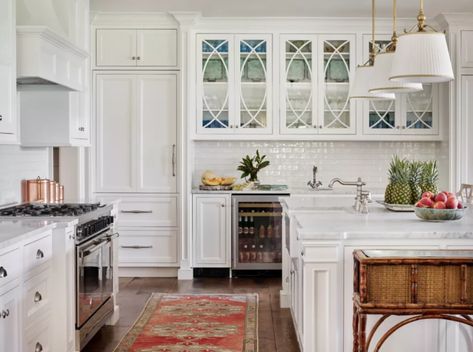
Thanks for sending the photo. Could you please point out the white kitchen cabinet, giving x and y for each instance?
(466, 139)
(412, 114)
(212, 231)
(136, 132)
(466, 44)
(314, 84)
(136, 48)
(10, 320)
(54, 118)
(8, 118)
(234, 84)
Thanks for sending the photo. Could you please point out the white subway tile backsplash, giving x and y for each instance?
(291, 162)
(17, 164)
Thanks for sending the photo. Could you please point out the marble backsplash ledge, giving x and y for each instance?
(291, 162)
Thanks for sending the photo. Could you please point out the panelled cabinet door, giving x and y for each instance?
(212, 231)
(336, 61)
(156, 47)
(215, 84)
(70, 287)
(254, 81)
(116, 151)
(116, 47)
(80, 115)
(8, 124)
(156, 139)
(9, 321)
(466, 48)
(298, 84)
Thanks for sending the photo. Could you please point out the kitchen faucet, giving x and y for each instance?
(314, 184)
(361, 198)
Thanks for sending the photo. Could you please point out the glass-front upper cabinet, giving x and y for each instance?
(314, 84)
(234, 84)
(413, 113)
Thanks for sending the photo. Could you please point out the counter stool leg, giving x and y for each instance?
(362, 333)
(355, 329)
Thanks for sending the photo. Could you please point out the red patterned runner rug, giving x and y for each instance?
(195, 323)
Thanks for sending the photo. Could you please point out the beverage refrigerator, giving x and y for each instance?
(256, 232)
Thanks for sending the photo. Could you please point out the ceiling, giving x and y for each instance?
(307, 8)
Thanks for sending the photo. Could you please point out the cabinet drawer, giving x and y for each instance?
(156, 212)
(38, 252)
(148, 247)
(38, 338)
(36, 293)
(10, 266)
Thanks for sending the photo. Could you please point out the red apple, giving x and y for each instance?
(420, 205)
(426, 203)
(460, 205)
(452, 203)
(448, 194)
(441, 197)
(428, 195)
(439, 205)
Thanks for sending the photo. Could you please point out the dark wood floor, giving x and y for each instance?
(276, 332)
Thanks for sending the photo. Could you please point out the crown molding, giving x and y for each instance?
(133, 19)
(449, 20)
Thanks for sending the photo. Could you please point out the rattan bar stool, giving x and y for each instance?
(466, 193)
(422, 284)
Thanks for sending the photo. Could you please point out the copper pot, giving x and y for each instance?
(61, 193)
(36, 190)
(52, 191)
(57, 194)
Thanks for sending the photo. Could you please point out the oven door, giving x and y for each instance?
(94, 275)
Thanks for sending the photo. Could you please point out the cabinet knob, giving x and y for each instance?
(39, 254)
(37, 297)
(138, 58)
(1, 117)
(3, 272)
(403, 127)
(5, 313)
(133, 57)
(223, 205)
(38, 347)
(82, 129)
(398, 127)
(314, 126)
(321, 126)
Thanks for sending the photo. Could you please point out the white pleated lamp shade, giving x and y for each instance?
(380, 82)
(422, 57)
(360, 84)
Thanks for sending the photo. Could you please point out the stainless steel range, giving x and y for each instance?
(94, 258)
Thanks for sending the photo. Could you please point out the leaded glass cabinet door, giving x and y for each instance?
(297, 84)
(253, 88)
(336, 63)
(420, 111)
(379, 116)
(215, 87)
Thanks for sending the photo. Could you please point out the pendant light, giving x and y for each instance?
(359, 84)
(422, 55)
(380, 82)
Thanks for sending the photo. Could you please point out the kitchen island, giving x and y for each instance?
(320, 236)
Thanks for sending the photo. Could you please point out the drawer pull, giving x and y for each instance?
(39, 254)
(136, 211)
(5, 314)
(3, 272)
(137, 247)
(38, 347)
(37, 297)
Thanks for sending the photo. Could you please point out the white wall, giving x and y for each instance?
(17, 164)
(291, 162)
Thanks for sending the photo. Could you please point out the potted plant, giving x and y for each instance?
(250, 166)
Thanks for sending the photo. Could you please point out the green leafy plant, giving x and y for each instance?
(250, 166)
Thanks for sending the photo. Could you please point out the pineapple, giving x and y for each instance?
(430, 177)
(398, 191)
(415, 180)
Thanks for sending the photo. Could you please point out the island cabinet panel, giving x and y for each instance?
(10, 320)
(466, 166)
(212, 231)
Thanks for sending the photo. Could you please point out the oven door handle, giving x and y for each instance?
(113, 235)
(85, 252)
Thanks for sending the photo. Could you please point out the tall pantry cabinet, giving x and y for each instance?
(136, 84)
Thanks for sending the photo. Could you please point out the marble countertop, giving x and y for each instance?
(338, 223)
(14, 231)
(296, 191)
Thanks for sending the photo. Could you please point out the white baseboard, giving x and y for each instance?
(284, 299)
(185, 274)
(147, 272)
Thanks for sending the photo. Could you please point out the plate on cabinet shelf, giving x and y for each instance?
(398, 207)
(213, 71)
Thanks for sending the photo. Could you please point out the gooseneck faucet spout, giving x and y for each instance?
(360, 195)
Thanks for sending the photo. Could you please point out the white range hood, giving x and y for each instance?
(43, 57)
(45, 52)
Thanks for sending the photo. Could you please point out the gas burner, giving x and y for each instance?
(36, 209)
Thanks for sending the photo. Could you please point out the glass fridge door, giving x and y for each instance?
(257, 233)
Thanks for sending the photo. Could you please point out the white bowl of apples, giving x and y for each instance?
(439, 207)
